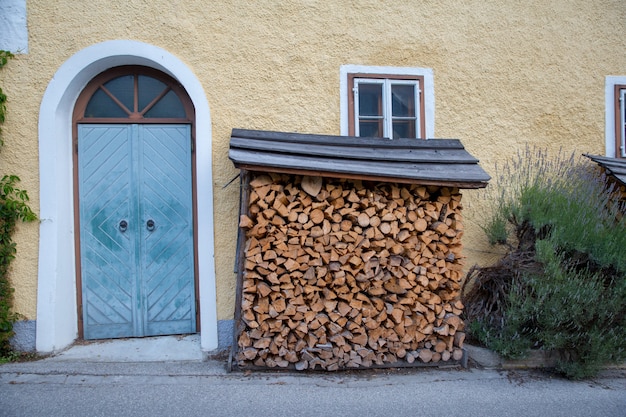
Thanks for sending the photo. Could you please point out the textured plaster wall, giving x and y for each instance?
(506, 74)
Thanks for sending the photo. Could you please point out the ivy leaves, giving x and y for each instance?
(13, 208)
(14, 201)
(4, 58)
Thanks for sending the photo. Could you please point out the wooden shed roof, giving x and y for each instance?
(614, 166)
(430, 162)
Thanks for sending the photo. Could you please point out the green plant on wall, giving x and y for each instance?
(4, 58)
(13, 209)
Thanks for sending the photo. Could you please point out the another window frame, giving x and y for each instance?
(620, 120)
(386, 81)
(421, 76)
(615, 125)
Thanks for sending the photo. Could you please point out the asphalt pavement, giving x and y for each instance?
(101, 385)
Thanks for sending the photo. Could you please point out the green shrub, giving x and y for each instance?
(569, 293)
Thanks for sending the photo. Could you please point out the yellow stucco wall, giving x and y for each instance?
(506, 74)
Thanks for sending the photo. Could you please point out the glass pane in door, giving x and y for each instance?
(101, 105)
(148, 89)
(168, 106)
(123, 89)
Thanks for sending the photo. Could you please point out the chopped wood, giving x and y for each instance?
(317, 216)
(245, 222)
(459, 339)
(346, 274)
(420, 224)
(425, 355)
(312, 185)
(363, 219)
(260, 180)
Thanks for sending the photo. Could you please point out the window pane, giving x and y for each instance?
(149, 89)
(168, 106)
(371, 128)
(370, 99)
(101, 105)
(403, 100)
(123, 89)
(404, 129)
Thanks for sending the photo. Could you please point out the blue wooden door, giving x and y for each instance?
(136, 230)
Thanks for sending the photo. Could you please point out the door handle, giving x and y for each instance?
(123, 226)
(150, 225)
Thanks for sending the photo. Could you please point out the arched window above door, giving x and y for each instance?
(133, 94)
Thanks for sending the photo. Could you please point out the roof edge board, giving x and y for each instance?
(373, 178)
(443, 162)
(349, 140)
(447, 156)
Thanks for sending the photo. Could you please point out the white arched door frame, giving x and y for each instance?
(57, 324)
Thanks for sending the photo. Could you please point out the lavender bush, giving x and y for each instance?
(562, 285)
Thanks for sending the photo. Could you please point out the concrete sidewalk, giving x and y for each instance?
(134, 378)
(186, 348)
(146, 349)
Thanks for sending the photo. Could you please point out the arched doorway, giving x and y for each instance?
(56, 325)
(133, 165)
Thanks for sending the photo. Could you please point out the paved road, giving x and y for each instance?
(205, 389)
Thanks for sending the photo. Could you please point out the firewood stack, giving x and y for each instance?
(344, 273)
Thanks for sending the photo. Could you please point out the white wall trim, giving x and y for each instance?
(429, 91)
(56, 291)
(609, 123)
(13, 21)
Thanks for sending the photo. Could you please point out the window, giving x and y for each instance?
(387, 102)
(132, 93)
(620, 121)
(135, 96)
(389, 108)
(615, 134)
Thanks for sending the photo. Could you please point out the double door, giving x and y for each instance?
(136, 230)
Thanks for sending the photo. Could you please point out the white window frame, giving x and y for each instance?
(387, 116)
(611, 138)
(622, 117)
(427, 90)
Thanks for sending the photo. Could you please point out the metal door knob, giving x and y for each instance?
(150, 225)
(123, 226)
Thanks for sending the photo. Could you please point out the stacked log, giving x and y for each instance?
(344, 273)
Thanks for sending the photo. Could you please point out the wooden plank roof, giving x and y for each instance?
(614, 166)
(430, 162)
